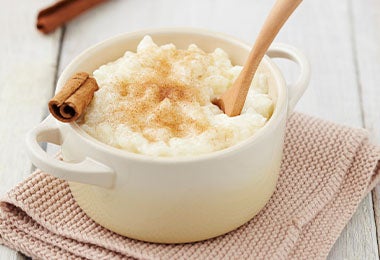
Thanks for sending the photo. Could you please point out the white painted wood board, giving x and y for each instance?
(27, 70)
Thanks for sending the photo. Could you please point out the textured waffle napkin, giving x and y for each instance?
(326, 171)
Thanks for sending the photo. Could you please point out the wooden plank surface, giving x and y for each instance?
(366, 29)
(27, 70)
(331, 36)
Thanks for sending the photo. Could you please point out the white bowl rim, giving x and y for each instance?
(281, 104)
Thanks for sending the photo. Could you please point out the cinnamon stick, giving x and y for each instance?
(61, 12)
(71, 101)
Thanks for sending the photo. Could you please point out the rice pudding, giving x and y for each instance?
(157, 101)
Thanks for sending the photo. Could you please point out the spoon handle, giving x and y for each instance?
(234, 98)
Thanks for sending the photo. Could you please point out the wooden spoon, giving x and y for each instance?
(232, 101)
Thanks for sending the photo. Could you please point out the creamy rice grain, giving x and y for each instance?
(157, 102)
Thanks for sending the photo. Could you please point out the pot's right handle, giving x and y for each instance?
(280, 50)
(87, 171)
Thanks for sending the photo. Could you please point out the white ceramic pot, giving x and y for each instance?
(171, 200)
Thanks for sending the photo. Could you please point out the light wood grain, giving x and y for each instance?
(358, 239)
(366, 37)
(345, 71)
(27, 69)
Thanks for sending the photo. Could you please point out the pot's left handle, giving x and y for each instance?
(88, 171)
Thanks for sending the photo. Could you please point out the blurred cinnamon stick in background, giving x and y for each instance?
(61, 12)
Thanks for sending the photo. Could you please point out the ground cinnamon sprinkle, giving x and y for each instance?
(156, 102)
(161, 101)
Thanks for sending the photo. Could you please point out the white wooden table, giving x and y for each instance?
(341, 39)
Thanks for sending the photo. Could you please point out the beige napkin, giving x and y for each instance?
(327, 169)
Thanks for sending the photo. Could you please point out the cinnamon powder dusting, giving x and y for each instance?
(155, 106)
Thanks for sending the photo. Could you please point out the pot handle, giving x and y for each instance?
(88, 171)
(296, 90)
